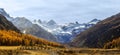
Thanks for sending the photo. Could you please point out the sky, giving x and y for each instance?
(62, 11)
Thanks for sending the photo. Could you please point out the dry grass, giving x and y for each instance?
(9, 47)
(15, 50)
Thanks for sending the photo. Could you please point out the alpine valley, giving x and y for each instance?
(62, 33)
(22, 36)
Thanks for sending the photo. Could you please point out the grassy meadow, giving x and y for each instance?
(36, 50)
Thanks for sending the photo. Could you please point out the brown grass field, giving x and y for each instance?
(28, 50)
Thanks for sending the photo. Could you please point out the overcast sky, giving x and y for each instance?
(62, 11)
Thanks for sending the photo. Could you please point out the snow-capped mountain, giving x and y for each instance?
(49, 30)
(65, 33)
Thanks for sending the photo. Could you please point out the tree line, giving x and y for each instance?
(12, 38)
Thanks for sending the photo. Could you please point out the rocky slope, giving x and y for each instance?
(98, 35)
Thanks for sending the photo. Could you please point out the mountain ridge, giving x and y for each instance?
(7, 25)
(26, 26)
(101, 33)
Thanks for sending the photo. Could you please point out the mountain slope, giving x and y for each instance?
(6, 25)
(11, 36)
(98, 35)
(28, 27)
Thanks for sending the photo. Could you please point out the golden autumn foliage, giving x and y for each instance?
(114, 44)
(12, 38)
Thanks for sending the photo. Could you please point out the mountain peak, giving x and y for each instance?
(39, 21)
(22, 20)
(1, 9)
(3, 12)
(51, 22)
(94, 21)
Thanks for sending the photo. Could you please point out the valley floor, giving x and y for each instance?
(24, 50)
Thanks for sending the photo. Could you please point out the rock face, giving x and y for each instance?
(100, 34)
(6, 25)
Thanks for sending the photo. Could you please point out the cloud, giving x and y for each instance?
(67, 10)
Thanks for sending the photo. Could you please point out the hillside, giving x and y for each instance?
(6, 25)
(98, 35)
